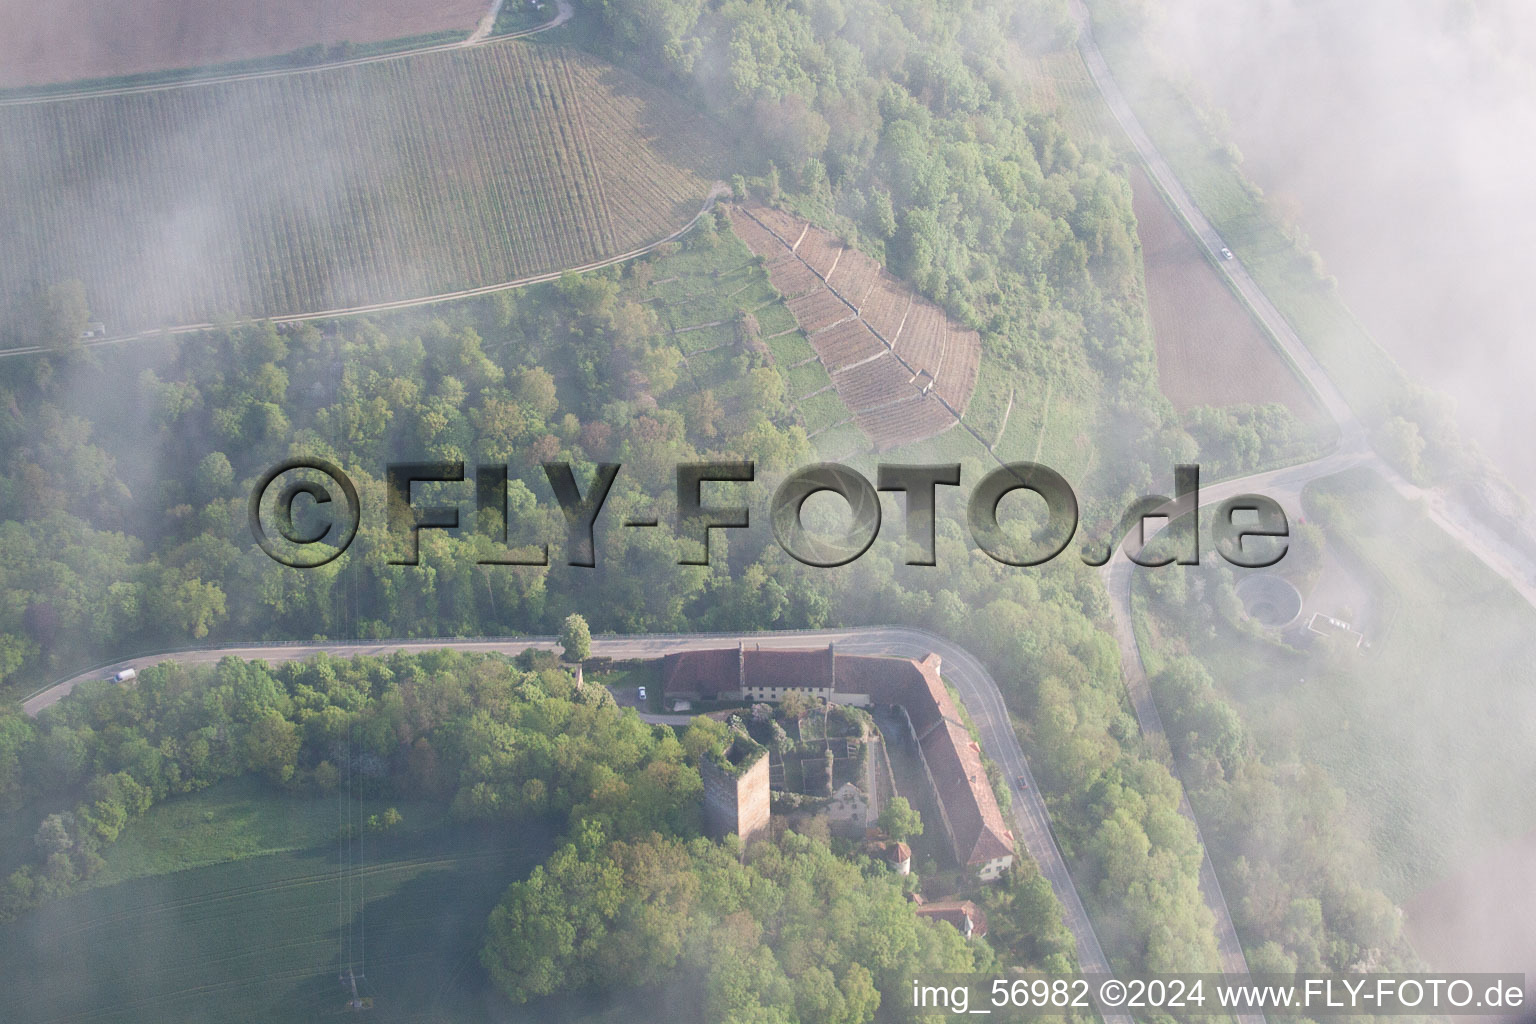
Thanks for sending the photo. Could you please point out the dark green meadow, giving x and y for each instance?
(257, 939)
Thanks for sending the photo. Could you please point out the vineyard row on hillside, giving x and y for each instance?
(895, 358)
(321, 191)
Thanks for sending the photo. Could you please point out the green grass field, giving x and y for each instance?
(824, 411)
(701, 284)
(806, 380)
(337, 188)
(256, 938)
(706, 338)
(1059, 82)
(1432, 732)
(790, 349)
(235, 820)
(841, 443)
(775, 319)
(627, 676)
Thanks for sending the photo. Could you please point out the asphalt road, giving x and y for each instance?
(1354, 447)
(978, 691)
(1353, 434)
(1285, 485)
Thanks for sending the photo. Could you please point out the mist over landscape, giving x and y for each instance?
(1396, 136)
(684, 510)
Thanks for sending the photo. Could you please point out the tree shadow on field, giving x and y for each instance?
(677, 131)
(424, 940)
(186, 946)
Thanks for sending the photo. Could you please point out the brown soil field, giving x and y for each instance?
(1209, 350)
(66, 40)
(1482, 919)
(896, 360)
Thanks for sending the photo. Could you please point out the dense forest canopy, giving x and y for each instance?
(125, 474)
(636, 897)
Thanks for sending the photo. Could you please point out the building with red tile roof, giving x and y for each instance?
(972, 820)
(969, 919)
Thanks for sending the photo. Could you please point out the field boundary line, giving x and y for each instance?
(1045, 419)
(1008, 412)
(565, 13)
(829, 426)
(700, 327)
(834, 323)
(719, 189)
(861, 362)
(833, 268)
(911, 297)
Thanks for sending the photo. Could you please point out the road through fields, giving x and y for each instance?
(1353, 450)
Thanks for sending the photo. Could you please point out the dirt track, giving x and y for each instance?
(65, 40)
(718, 190)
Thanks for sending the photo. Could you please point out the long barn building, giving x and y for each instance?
(972, 821)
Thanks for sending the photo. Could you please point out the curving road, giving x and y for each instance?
(978, 691)
(1285, 485)
(1278, 484)
(563, 13)
(487, 23)
(1354, 447)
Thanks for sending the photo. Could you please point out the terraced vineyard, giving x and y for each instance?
(904, 368)
(338, 188)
